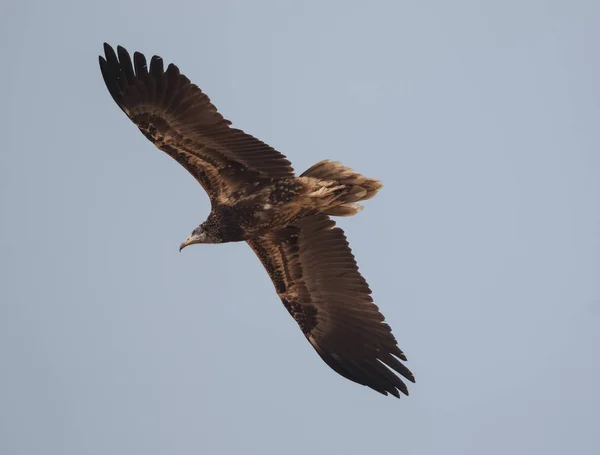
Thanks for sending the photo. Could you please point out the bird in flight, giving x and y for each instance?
(256, 197)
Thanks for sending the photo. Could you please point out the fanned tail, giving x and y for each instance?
(338, 188)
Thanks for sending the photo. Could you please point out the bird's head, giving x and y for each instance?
(200, 235)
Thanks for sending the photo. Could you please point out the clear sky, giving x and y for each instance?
(483, 249)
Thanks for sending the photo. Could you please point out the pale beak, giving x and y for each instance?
(189, 241)
(199, 237)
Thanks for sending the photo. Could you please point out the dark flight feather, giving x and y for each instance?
(316, 276)
(179, 119)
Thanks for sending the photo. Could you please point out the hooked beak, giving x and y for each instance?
(198, 238)
(188, 241)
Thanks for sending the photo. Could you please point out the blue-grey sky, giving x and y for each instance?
(483, 249)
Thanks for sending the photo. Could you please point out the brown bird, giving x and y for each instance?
(256, 198)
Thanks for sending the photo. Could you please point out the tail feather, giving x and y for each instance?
(344, 210)
(340, 187)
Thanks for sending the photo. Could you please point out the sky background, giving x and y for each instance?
(483, 249)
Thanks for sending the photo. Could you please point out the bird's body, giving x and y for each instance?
(268, 205)
(257, 198)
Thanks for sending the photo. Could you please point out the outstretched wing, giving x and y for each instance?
(317, 279)
(179, 119)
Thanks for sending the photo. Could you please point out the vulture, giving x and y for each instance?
(256, 198)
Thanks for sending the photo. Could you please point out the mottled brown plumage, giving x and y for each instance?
(256, 198)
